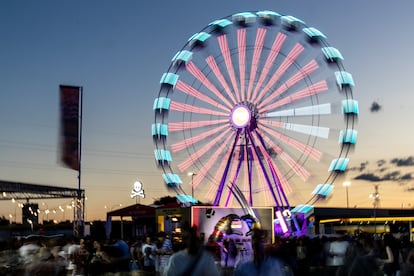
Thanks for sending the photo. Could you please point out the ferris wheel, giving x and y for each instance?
(258, 102)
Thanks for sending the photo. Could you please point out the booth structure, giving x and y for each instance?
(142, 216)
(235, 223)
(169, 219)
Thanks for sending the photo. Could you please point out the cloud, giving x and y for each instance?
(406, 176)
(394, 176)
(379, 171)
(409, 161)
(391, 176)
(368, 177)
(381, 162)
(375, 107)
(361, 167)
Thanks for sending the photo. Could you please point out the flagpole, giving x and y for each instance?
(80, 199)
(80, 139)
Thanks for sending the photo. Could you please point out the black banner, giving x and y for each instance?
(69, 126)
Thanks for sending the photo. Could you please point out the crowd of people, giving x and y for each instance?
(158, 255)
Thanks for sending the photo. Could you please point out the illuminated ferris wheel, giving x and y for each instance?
(258, 102)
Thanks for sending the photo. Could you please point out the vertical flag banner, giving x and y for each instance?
(69, 126)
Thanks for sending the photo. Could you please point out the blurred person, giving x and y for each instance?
(80, 259)
(407, 267)
(47, 262)
(29, 249)
(100, 262)
(120, 255)
(366, 265)
(214, 248)
(149, 250)
(164, 252)
(337, 252)
(193, 260)
(390, 255)
(137, 257)
(301, 251)
(69, 250)
(262, 264)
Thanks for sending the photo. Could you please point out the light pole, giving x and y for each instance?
(192, 182)
(375, 201)
(346, 184)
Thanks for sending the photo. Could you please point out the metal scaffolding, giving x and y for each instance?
(24, 191)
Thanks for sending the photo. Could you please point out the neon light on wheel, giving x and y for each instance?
(240, 116)
(260, 101)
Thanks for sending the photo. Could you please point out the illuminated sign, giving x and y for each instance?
(137, 190)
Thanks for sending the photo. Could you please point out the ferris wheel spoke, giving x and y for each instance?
(322, 109)
(289, 59)
(260, 36)
(285, 185)
(234, 171)
(300, 75)
(267, 175)
(225, 50)
(214, 187)
(261, 187)
(192, 140)
(203, 150)
(306, 149)
(277, 45)
(311, 90)
(246, 171)
(289, 160)
(241, 43)
(216, 70)
(204, 171)
(317, 131)
(196, 72)
(189, 90)
(180, 126)
(182, 107)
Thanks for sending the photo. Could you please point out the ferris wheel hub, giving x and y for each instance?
(240, 116)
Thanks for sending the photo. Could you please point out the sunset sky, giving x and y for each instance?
(118, 50)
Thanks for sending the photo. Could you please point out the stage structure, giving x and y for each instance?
(15, 191)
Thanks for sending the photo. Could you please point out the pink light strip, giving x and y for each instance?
(196, 72)
(182, 107)
(216, 70)
(179, 126)
(277, 45)
(306, 149)
(271, 166)
(189, 90)
(241, 42)
(297, 168)
(285, 184)
(183, 166)
(224, 46)
(301, 74)
(219, 174)
(233, 171)
(202, 173)
(290, 58)
(245, 174)
(190, 141)
(306, 92)
(263, 187)
(260, 35)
